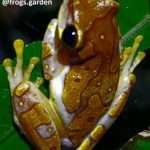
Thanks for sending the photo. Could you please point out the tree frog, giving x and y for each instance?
(89, 78)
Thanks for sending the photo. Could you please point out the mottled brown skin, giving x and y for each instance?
(92, 81)
(33, 115)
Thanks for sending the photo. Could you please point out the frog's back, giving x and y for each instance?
(90, 86)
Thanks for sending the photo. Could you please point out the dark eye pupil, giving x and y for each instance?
(69, 36)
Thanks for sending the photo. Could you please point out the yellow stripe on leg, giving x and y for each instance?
(85, 145)
(116, 109)
(98, 132)
(95, 135)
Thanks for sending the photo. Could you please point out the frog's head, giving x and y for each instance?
(86, 28)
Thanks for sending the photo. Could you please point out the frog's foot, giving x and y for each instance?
(126, 80)
(130, 60)
(32, 110)
(16, 74)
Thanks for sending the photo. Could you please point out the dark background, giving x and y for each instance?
(30, 25)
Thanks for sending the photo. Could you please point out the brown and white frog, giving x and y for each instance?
(89, 76)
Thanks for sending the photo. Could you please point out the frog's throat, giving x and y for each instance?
(57, 86)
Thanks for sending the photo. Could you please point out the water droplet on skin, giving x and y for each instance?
(77, 78)
(52, 69)
(78, 102)
(49, 130)
(95, 72)
(110, 90)
(102, 37)
(46, 66)
(98, 84)
(21, 103)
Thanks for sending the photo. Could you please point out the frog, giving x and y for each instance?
(90, 77)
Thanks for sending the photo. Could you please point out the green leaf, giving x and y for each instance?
(139, 142)
(134, 19)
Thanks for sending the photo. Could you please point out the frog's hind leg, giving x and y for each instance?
(32, 111)
(130, 60)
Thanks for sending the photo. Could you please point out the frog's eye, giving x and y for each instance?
(70, 36)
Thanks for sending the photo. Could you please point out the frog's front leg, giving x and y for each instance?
(129, 62)
(51, 65)
(32, 112)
